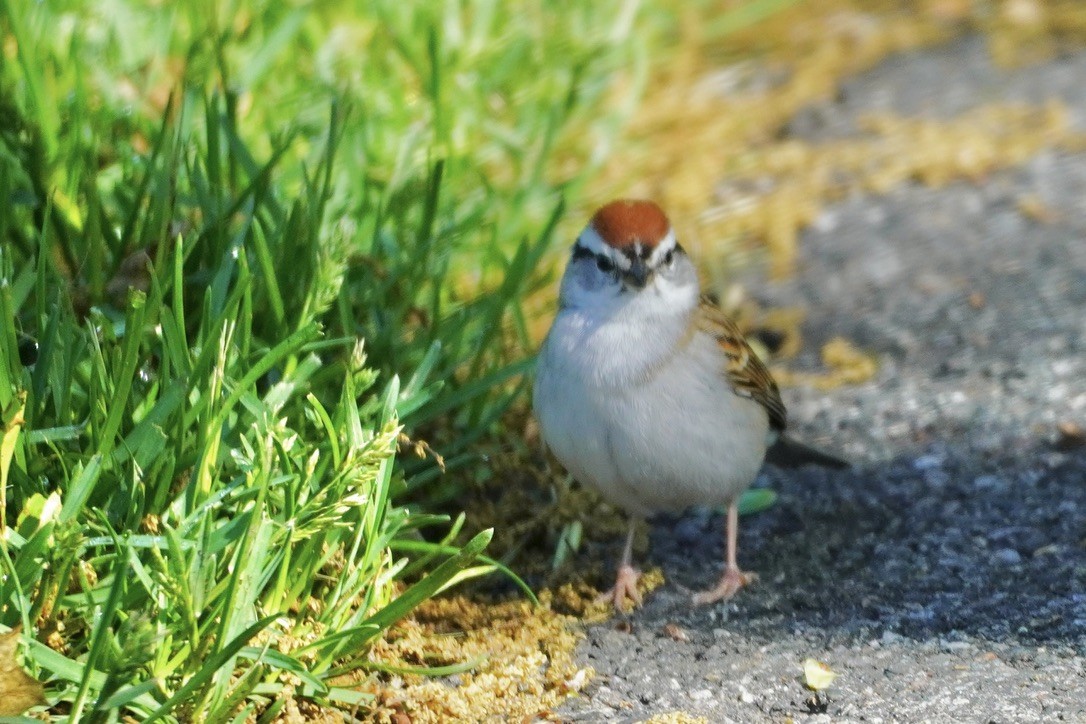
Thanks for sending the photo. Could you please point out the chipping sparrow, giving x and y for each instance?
(649, 393)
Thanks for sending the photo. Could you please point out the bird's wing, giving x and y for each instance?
(747, 374)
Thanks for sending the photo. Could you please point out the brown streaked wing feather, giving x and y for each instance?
(748, 375)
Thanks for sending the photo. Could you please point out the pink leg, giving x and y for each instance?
(733, 578)
(626, 578)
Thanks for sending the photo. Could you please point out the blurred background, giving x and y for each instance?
(274, 274)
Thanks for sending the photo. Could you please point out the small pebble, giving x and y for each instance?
(937, 479)
(955, 646)
(1008, 556)
(927, 462)
(889, 637)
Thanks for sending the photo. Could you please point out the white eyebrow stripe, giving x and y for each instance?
(666, 245)
(590, 239)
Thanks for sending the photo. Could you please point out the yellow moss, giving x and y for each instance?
(526, 662)
(676, 717)
(524, 655)
(845, 363)
(1032, 207)
(1029, 31)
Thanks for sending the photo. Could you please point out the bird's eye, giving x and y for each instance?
(669, 257)
(604, 264)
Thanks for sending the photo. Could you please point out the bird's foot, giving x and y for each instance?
(625, 588)
(729, 585)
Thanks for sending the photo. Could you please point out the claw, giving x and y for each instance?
(729, 585)
(625, 588)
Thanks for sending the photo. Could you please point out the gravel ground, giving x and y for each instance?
(944, 578)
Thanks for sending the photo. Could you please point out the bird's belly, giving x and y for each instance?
(682, 438)
(677, 445)
(576, 430)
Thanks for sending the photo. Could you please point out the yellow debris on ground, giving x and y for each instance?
(525, 657)
(845, 365)
(676, 717)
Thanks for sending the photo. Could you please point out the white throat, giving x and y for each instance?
(616, 337)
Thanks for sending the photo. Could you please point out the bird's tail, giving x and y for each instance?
(789, 453)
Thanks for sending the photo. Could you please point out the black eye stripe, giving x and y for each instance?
(603, 262)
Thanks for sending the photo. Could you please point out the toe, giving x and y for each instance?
(625, 588)
(729, 585)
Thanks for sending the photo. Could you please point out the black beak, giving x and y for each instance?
(638, 274)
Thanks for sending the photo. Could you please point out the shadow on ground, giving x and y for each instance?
(946, 544)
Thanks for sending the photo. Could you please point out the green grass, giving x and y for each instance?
(244, 246)
(198, 455)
